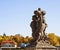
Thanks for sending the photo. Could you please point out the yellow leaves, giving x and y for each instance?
(30, 39)
(6, 38)
(57, 44)
(25, 40)
(53, 39)
(51, 35)
(17, 39)
(1, 39)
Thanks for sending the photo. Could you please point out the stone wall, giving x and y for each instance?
(30, 48)
(34, 48)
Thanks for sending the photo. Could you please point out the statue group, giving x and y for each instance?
(40, 40)
(38, 25)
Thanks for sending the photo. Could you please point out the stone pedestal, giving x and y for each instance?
(42, 45)
(38, 26)
(42, 48)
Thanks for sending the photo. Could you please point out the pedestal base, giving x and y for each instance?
(42, 45)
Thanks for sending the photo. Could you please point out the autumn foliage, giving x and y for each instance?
(18, 39)
(54, 39)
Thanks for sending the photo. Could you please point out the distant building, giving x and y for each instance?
(8, 44)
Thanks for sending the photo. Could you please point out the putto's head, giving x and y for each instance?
(39, 9)
(43, 12)
(35, 12)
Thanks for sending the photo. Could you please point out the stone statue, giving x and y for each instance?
(40, 40)
(34, 25)
(42, 25)
(38, 25)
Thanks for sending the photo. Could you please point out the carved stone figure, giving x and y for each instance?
(42, 23)
(38, 24)
(34, 25)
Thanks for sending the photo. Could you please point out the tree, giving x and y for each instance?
(4, 34)
(1, 38)
(54, 40)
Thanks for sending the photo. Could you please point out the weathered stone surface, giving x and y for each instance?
(40, 48)
(38, 26)
(45, 46)
(42, 45)
(29, 48)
